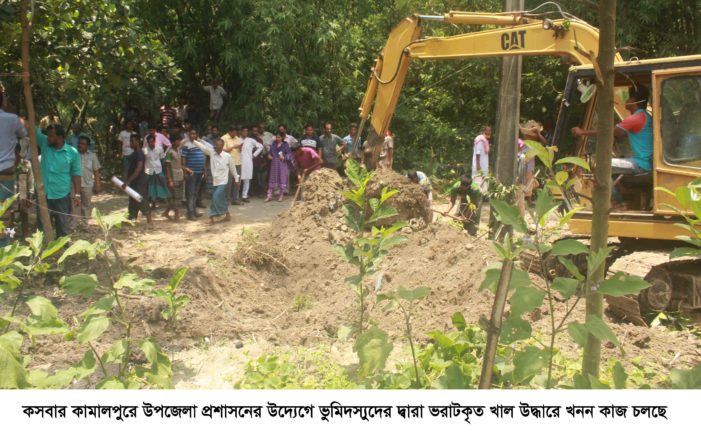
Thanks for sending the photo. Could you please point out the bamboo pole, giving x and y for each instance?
(507, 133)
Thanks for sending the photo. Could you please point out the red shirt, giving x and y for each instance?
(306, 158)
(633, 123)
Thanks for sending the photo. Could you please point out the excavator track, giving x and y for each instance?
(675, 286)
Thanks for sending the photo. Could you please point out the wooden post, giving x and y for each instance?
(31, 124)
(602, 174)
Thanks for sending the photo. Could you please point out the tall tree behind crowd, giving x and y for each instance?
(89, 60)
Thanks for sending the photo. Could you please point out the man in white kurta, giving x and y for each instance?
(480, 158)
(250, 148)
(221, 165)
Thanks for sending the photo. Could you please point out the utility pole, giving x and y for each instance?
(508, 111)
(506, 140)
(31, 123)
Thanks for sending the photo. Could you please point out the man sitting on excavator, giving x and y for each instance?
(638, 127)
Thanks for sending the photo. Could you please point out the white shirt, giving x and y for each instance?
(216, 96)
(125, 138)
(250, 148)
(424, 181)
(152, 165)
(268, 139)
(291, 140)
(220, 164)
(480, 153)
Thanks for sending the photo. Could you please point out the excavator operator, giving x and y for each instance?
(638, 127)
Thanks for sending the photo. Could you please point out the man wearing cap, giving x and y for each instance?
(532, 137)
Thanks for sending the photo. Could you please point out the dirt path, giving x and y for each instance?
(183, 236)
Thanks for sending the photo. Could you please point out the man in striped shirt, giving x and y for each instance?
(193, 160)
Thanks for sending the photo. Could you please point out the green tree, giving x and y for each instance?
(89, 60)
(602, 187)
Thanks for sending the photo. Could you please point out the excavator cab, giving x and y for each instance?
(647, 228)
(579, 109)
(675, 108)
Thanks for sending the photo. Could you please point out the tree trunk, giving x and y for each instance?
(602, 174)
(31, 119)
(494, 331)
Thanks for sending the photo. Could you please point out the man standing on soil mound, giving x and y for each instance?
(480, 157)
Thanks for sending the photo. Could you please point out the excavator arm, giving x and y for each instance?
(518, 36)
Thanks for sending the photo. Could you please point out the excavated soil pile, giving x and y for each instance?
(411, 203)
(439, 256)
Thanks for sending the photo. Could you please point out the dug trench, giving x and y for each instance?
(273, 276)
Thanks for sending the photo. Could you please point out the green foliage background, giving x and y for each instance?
(296, 61)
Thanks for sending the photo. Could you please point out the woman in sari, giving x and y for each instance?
(280, 160)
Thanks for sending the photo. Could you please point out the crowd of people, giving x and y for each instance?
(176, 165)
(172, 165)
(169, 165)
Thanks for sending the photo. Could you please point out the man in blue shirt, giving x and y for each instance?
(11, 129)
(60, 167)
(638, 128)
(350, 151)
(194, 170)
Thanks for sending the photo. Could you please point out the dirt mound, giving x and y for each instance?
(317, 212)
(307, 300)
(440, 256)
(321, 193)
(317, 217)
(411, 202)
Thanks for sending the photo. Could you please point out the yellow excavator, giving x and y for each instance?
(648, 225)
